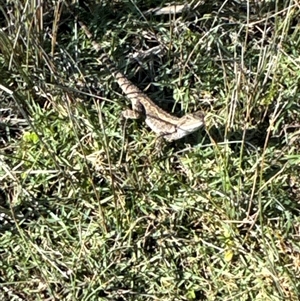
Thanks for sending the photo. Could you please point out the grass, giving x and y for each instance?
(90, 209)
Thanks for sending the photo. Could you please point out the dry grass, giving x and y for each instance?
(91, 210)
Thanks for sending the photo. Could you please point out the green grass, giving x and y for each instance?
(90, 209)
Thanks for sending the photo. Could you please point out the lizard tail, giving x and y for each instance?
(104, 57)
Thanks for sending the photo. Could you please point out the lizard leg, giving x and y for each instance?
(135, 113)
(170, 137)
(131, 114)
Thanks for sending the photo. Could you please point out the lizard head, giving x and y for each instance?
(191, 122)
(186, 125)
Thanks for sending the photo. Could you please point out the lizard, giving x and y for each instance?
(162, 123)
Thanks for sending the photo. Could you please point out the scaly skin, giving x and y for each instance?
(162, 123)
